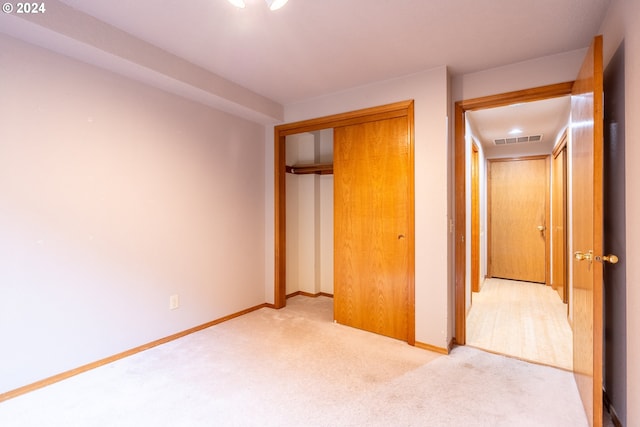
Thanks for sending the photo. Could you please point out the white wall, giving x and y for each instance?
(430, 92)
(325, 252)
(632, 135)
(622, 22)
(324, 194)
(300, 216)
(292, 207)
(536, 72)
(114, 196)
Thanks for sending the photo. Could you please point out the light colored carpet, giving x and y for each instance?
(295, 367)
(521, 319)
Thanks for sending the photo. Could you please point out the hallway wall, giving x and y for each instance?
(631, 16)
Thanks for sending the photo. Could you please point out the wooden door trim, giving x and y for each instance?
(397, 109)
(561, 146)
(547, 222)
(561, 150)
(411, 309)
(460, 108)
(388, 111)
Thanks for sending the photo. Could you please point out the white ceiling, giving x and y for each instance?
(309, 47)
(547, 118)
(313, 47)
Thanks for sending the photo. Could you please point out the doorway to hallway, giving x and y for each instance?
(463, 294)
(510, 316)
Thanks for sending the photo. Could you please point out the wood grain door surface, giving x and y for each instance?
(475, 219)
(517, 208)
(587, 230)
(372, 214)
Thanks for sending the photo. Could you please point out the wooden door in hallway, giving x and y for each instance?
(475, 218)
(587, 230)
(518, 194)
(373, 227)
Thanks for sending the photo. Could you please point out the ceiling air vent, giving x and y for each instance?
(517, 140)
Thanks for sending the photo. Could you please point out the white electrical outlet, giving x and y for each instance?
(174, 302)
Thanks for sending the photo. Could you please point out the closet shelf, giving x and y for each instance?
(319, 169)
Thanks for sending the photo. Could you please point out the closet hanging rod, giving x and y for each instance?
(320, 169)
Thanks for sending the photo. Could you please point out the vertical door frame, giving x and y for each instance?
(561, 150)
(398, 109)
(460, 167)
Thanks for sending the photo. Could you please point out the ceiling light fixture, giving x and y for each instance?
(273, 4)
(515, 131)
(276, 4)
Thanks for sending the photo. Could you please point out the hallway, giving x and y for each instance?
(523, 320)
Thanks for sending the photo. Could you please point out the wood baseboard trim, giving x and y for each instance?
(84, 368)
(310, 295)
(434, 348)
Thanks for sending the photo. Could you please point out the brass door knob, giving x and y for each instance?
(541, 227)
(611, 259)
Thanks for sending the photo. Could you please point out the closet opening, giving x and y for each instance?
(309, 213)
(344, 216)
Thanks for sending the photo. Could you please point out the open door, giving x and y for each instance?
(587, 230)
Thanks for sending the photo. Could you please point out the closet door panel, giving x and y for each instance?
(372, 226)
